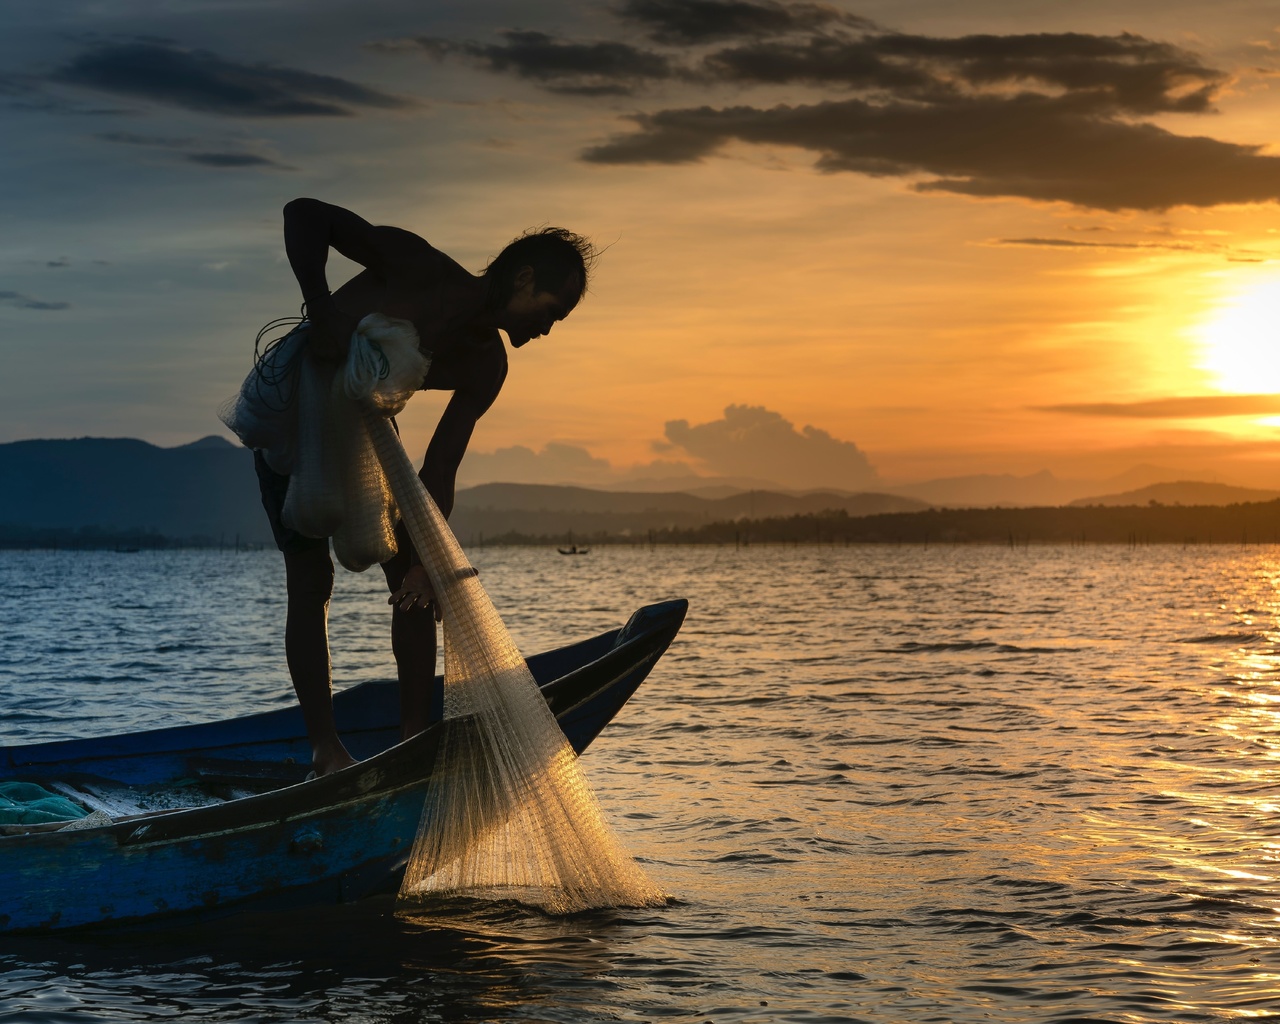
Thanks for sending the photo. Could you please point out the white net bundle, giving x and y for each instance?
(509, 812)
(305, 418)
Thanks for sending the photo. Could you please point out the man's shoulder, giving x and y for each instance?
(488, 354)
(485, 360)
(402, 246)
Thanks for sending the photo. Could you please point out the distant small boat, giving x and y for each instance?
(573, 549)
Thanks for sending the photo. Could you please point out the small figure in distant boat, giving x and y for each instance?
(534, 283)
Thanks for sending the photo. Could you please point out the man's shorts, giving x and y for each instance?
(274, 486)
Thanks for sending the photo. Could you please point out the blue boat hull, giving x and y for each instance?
(330, 840)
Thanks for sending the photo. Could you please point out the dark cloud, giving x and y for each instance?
(21, 301)
(819, 60)
(589, 69)
(202, 81)
(1031, 146)
(228, 159)
(134, 139)
(756, 442)
(233, 160)
(710, 21)
(1073, 243)
(1102, 74)
(1197, 407)
(1046, 117)
(29, 93)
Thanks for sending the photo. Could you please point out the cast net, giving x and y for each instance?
(509, 812)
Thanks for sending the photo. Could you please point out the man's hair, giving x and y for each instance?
(556, 256)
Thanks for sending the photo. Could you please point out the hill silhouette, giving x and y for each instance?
(120, 491)
(97, 490)
(1185, 492)
(200, 492)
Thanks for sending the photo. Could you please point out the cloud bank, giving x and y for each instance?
(749, 443)
(1045, 117)
(753, 441)
(555, 464)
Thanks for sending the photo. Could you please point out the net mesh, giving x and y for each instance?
(508, 812)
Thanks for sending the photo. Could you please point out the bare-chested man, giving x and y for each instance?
(533, 283)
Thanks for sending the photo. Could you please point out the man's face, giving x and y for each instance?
(532, 313)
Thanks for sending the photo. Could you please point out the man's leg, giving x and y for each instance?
(413, 641)
(309, 573)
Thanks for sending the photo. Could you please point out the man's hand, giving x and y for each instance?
(415, 591)
(331, 330)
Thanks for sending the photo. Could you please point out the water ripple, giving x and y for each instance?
(955, 784)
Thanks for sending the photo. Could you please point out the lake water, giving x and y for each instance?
(883, 784)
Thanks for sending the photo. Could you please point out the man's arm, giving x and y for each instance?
(311, 229)
(483, 376)
(448, 446)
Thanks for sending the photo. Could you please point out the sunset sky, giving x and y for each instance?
(845, 244)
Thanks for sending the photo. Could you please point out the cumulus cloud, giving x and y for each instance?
(202, 81)
(1194, 407)
(753, 441)
(555, 463)
(1046, 117)
(750, 447)
(20, 301)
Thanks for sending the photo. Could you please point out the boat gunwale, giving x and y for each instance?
(363, 782)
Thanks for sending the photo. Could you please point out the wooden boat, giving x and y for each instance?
(222, 817)
(573, 549)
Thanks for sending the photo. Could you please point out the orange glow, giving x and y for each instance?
(1240, 340)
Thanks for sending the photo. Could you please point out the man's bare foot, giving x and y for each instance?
(331, 759)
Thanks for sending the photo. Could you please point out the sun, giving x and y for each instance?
(1239, 341)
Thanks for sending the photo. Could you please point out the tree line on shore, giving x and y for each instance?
(1251, 523)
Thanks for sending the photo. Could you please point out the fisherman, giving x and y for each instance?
(534, 283)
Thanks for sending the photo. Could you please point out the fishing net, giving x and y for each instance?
(509, 812)
(305, 418)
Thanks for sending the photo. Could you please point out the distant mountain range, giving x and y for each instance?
(1185, 492)
(1036, 490)
(207, 492)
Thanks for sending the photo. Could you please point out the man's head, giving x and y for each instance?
(537, 280)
